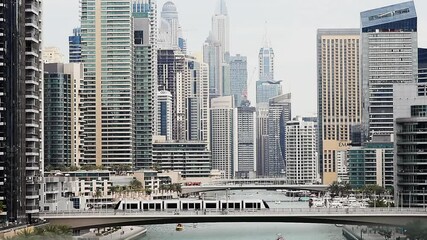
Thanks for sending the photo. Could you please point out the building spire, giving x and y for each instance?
(266, 40)
(221, 8)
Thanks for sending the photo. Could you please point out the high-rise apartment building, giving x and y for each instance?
(75, 46)
(164, 114)
(107, 54)
(410, 145)
(389, 56)
(223, 133)
(279, 113)
(196, 100)
(302, 165)
(145, 79)
(63, 116)
(245, 166)
(262, 138)
(171, 77)
(339, 104)
(238, 78)
(21, 94)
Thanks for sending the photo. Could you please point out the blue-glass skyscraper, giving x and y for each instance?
(266, 86)
(74, 46)
(238, 77)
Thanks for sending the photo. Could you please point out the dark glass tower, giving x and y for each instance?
(20, 118)
(75, 46)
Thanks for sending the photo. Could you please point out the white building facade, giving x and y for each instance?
(223, 128)
(302, 165)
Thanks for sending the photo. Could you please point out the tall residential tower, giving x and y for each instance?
(145, 79)
(21, 94)
(108, 82)
(338, 93)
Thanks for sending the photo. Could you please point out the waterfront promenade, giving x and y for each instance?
(367, 233)
(125, 233)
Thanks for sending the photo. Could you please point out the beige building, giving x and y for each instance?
(338, 98)
(52, 55)
(107, 54)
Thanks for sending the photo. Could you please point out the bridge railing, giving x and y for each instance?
(271, 212)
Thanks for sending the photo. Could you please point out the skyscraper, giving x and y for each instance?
(216, 53)
(266, 63)
(238, 77)
(262, 138)
(267, 87)
(223, 133)
(246, 142)
(389, 56)
(63, 134)
(171, 77)
(279, 113)
(212, 55)
(145, 79)
(75, 46)
(302, 165)
(170, 30)
(21, 95)
(196, 94)
(221, 27)
(265, 90)
(339, 103)
(164, 115)
(108, 81)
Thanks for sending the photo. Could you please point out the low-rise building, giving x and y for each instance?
(372, 163)
(191, 158)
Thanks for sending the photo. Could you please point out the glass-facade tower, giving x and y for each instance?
(389, 56)
(75, 46)
(107, 54)
(238, 77)
(145, 80)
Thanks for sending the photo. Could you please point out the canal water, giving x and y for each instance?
(249, 231)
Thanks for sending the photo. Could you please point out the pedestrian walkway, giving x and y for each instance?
(367, 233)
(125, 233)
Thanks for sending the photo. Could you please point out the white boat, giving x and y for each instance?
(277, 202)
(280, 237)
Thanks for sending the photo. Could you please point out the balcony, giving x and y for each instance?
(34, 8)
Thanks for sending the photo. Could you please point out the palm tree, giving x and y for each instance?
(136, 185)
(2, 206)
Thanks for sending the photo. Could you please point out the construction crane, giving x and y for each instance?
(245, 91)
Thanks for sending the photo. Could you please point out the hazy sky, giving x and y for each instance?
(291, 27)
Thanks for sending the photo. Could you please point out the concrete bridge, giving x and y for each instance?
(361, 216)
(220, 187)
